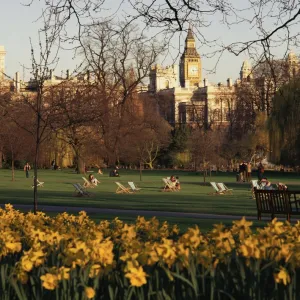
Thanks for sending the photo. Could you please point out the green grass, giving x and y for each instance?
(193, 198)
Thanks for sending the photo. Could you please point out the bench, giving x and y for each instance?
(277, 202)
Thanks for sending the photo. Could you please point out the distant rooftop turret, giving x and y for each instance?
(246, 71)
(2, 62)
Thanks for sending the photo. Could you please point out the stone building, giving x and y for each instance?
(193, 100)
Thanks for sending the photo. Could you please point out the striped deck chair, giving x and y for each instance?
(121, 189)
(224, 188)
(217, 190)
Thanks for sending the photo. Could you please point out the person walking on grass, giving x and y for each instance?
(27, 169)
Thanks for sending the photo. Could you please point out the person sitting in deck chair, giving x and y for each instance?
(175, 180)
(93, 180)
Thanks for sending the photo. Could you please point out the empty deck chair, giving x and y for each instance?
(80, 191)
(217, 190)
(224, 188)
(121, 189)
(38, 183)
(133, 187)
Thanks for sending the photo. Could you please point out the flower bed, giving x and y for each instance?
(71, 257)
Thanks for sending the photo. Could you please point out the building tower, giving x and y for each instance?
(190, 63)
(246, 71)
(2, 62)
(293, 64)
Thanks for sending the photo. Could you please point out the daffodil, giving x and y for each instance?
(50, 281)
(89, 292)
(282, 277)
(137, 276)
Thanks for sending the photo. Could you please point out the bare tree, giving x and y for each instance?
(272, 23)
(34, 98)
(16, 143)
(117, 61)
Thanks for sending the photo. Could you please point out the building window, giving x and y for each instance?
(195, 113)
(217, 116)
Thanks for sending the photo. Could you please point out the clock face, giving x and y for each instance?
(193, 70)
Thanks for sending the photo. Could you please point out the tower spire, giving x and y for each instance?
(190, 35)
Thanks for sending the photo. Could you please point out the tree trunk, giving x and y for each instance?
(80, 166)
(12, 168)
(35, 176)
(79, 162)
(140, 171)
(1, 156)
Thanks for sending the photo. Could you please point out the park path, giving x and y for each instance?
(120, 212)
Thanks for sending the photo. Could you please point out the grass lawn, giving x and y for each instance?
(194, 196)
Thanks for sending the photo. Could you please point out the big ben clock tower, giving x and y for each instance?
(190, 62)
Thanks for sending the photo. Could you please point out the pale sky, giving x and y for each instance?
(19, 23)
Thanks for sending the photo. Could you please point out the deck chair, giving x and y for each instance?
(224, 188)
(80, 191)
(87, 184)
(38, 183)
(97, 181)
(255, 185)
(169, 185)
(121, 189)
(173, 184)
(133, 187)
(217, 190)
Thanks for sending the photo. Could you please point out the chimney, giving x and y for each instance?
(229, 82)
(205, 82)
(68, 74)
(88, 75)
(17, 82)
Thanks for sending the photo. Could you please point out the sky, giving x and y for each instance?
(19, 24)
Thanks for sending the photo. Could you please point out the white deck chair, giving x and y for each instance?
(121, 189)
(87, 184)
(169, 185)
(133, 187)
(217, 190)
(80, 191)
(255, 185)
(38, 183)
(224, 188)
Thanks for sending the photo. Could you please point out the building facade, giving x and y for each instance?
(193, 100)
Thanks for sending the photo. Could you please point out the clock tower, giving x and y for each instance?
(190, 62)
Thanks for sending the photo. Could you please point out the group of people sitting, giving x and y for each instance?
(267, 185)
(114, 173)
